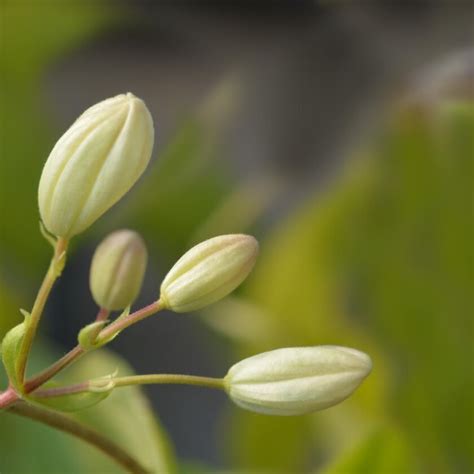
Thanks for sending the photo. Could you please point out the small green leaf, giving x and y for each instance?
(11, 346)
(124, 313)
(87, 337)
(76, 401)
(126, 416)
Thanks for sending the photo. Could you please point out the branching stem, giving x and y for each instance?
(150, 379)
(7, 398)
(79, 430)
(78, 351)
(52, 274)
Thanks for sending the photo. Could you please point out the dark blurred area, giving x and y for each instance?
(266, 114)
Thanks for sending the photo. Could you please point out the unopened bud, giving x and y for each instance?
(295, 381)
(208, 272)
(94, 164)
(117, 269)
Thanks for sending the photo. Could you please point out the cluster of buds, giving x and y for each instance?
(91, 167)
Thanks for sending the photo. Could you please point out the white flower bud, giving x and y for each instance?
(298, 380)
(117, 269)
(208, 272)
(94, 164)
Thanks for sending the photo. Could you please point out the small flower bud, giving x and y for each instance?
(94, 164)
(208, 272)
(117, 269)
(298, 380)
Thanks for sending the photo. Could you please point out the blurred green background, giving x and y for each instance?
(342, 137)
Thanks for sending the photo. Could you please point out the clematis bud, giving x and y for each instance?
(298, 380)
(208, 272)
(117, 269)
(94, 164)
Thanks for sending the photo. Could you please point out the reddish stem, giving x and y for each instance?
(8, 398)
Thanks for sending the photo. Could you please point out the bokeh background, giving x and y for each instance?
(341, 135)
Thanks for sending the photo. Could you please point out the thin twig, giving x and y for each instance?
(38, 306)
(148, 379)
(79, 430)
(119, 325)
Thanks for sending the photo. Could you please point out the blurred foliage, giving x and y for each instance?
(380, 261)
(183, 187)
(383, 451)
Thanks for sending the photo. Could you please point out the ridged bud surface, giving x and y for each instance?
(117, 270)
(208, 272)
(295, 381)
(95, 163)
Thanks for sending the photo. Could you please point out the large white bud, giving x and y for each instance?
(298, 380)
(94, 164)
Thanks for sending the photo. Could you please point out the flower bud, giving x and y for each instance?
(117, 269)
(298, 380)
(208, 272)
(94, 164)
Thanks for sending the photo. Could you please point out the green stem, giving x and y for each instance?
(102, 315)
(81, 431)
(53, 369)
(123, 323)
(78, 351)
(209, 382)
(149, 379)
(61, 363)
(45, 289)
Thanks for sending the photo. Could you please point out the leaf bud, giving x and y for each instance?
(298, 380)
(94, 164)
(117, 269)
(208, 272)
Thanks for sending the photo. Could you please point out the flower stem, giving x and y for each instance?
(53, 369)
(52, 274)
(149, 379)
(209, 382)
(79, 430)
(7, 398)
(61, 363)
(123, 323)
(78, 351)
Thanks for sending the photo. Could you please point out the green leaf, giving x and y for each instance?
(382, 261)
(75, 401)
(125, 415)
(11, 346)
(385, 450)
(87, 336)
